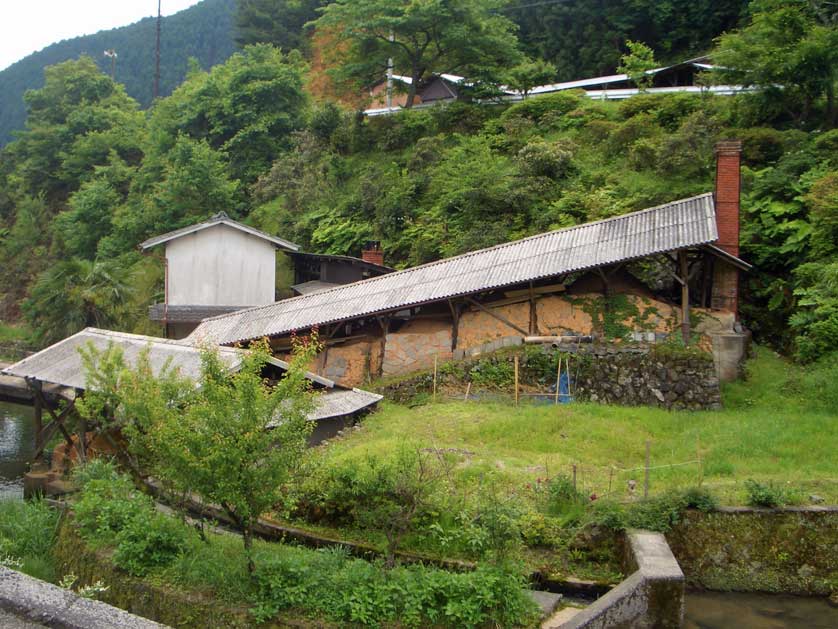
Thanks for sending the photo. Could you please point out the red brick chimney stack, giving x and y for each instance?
(725, 294)
(373, 254)
(728, 154)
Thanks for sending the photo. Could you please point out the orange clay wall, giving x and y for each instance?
(414, 346)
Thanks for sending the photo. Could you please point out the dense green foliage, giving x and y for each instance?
(203, 32)
(27, 533)
(110, 514)
(420, 38)
(91, 176)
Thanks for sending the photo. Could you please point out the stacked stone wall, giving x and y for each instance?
(630, 376)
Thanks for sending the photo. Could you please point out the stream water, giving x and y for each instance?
(17, 442)
(716, 610)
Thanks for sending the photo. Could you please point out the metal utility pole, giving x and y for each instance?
(111, 53)
(390, 77)
(157, 53)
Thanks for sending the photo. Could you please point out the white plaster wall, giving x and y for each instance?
(221, 266)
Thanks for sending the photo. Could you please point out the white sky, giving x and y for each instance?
(27, 26)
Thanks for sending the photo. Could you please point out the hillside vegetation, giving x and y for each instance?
(92, 176)
(203, 32)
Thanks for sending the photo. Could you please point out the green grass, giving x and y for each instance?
(13, 332)
(779, 426)
(27, 533)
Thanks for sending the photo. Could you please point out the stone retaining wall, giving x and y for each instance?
(631, 376)
(51, 606)
(651, 596)
(792, 550)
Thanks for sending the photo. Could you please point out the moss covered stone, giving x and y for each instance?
(789, 551)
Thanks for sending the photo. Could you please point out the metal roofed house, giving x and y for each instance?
(398, 322)
(213, 267)
(220, 266)
(61, 364)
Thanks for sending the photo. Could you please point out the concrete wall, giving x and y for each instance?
(221, 266)
(651, 597)
(51, 606)
(792, 550)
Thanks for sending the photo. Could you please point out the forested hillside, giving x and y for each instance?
(92, 176)
(203, 31)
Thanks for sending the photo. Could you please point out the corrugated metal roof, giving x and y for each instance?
(313, 286)
(685, 223)
(61, 364)
(340, 402)
(219, 219)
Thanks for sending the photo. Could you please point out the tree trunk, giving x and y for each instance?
(411, 92)
(247, 535)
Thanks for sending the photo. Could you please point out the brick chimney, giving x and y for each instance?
(725, 276)
(373, 254)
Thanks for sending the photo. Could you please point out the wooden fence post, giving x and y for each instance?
(436, 358)
(516, 379)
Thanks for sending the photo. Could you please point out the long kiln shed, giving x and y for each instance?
(60, 365)
(555, 283)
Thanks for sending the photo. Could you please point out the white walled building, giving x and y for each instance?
(215, 267)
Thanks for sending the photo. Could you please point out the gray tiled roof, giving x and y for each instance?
(61, 364)
(684, 223)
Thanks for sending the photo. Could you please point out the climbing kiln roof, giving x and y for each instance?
(685, 223)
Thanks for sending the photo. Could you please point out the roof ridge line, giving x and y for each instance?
(465, 255)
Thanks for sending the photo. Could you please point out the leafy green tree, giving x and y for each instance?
(422, 37)
(277, 22)
(74, 123)
(246, 108)
(238, 440)
(788, 43)
(637, 63)
(816, 319)
(75, 294)
(529, 74)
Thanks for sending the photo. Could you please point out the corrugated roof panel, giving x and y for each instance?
(685, 223)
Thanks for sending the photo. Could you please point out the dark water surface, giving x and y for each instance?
(17, 443)
(712, 610)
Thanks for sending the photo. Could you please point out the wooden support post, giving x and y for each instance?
(533, 313)
(455, 323)
(516, 379)
(495, 315)
(646, 470)
(468, 390)
(685, 297)
(82, 447)
(574, 477)
(700, 464)
(384, 322)
(39, 428)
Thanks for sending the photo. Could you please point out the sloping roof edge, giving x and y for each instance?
(219, 219)
(676, 225)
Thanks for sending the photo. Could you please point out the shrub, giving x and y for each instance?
(766, 495)
(492, 373)
(546, 159)
(826, 146)
(536, 107)
(149, 542)
(401, 130)
(355, 591)
(761, 146)
(105, 507)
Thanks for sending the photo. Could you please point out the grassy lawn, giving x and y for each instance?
(777, 426)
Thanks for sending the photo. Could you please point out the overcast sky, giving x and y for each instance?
(30, 25)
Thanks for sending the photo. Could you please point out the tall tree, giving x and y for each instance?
(277, 22)
(788, 43)
(422, 37)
